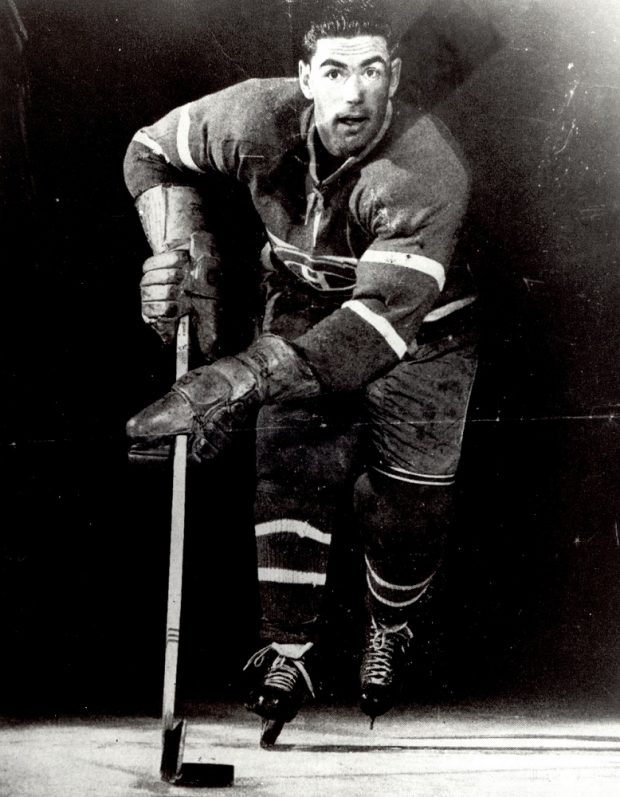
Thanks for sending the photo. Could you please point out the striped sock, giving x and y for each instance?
(292, 558)
(391, 603)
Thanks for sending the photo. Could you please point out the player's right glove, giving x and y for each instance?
(182, 282)
(182, 276)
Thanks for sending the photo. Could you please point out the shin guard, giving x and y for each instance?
(404, 528)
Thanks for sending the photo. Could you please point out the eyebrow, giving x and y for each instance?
(340, 65)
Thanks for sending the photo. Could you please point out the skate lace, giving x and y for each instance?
(283, 673)
(384, 644)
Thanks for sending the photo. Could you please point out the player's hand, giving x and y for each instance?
(214, 402)
(164, 299)
(211, 403)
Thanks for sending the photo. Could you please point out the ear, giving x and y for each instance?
(395, 70)
(304, 79)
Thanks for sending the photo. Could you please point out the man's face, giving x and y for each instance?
(350, 82)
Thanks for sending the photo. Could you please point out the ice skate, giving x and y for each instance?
(385, 656)
(283, 683)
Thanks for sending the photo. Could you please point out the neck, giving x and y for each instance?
(326, 163)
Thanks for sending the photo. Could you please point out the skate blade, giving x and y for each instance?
(270, 730)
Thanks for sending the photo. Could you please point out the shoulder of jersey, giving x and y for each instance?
(419, 141)
(411, 127)
(260, 102)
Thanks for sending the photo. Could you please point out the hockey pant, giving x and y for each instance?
(390, 455)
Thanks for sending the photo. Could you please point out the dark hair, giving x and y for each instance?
(344, 18)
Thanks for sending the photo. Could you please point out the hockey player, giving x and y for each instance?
(360, 379)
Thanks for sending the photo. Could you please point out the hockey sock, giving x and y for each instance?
(404, 528)
(292, 558)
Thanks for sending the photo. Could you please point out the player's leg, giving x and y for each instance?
(404, 502)
(404, 527)
(305, 469)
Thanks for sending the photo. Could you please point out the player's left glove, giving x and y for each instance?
(212, 402)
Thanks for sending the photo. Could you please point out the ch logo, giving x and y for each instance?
(316, 278)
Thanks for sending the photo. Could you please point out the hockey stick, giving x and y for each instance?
(172, 768)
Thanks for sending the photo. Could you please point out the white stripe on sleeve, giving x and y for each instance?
(448, 309)
(142, 138)
(183, 140)
(382, 325)
(417, 262)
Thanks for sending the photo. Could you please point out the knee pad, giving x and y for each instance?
(395, 513)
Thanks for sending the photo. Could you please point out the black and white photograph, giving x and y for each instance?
(310, 442)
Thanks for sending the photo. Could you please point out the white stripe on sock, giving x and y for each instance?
(280, 575)
(393, 604)
(382, 583)
(289, 526)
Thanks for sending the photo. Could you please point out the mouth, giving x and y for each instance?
(353, 121)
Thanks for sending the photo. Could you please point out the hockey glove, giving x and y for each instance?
(182, 282)
(212, 402)
(182, 275)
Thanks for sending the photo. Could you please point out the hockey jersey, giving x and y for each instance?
(373, 239)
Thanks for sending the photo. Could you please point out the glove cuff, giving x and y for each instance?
(269, 371)
(169, 215)
(280, 372)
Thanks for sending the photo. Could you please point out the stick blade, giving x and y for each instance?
(174, 771)
(173, 745)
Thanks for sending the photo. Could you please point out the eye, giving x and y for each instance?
(332, 74)
(373, 73)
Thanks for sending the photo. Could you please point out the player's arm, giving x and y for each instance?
(399, 279)
(164, 167)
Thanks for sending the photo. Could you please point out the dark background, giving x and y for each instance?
(528, 605)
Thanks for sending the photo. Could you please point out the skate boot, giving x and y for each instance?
(385, 656)
(283, 683)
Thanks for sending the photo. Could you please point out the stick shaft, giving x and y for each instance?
(177, 534)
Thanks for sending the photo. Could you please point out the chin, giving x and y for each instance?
(345, 148)
(354, 148)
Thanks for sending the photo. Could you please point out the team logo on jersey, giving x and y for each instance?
(322, 272)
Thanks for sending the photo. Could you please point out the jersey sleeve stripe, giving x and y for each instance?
(183, 140)
(417, 262)
(448, 309)
(142, 138)
(382, 325)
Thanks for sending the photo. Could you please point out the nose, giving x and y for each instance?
(354, 89)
